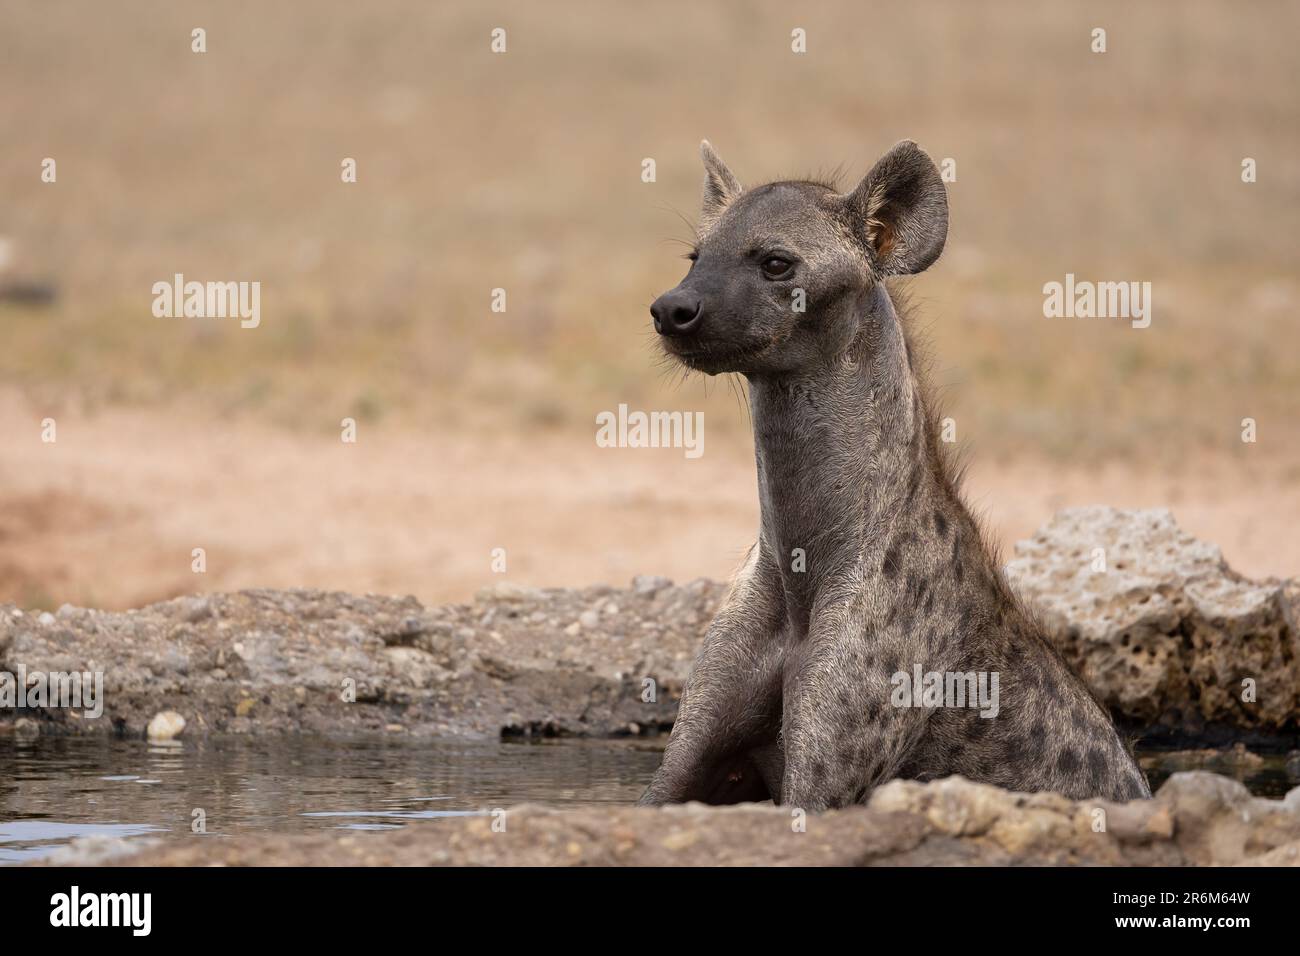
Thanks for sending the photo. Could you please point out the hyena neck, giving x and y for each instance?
(847, 464)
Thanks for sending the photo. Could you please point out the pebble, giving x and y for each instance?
(196, 609)
(680, 840)
(650, 584)
(166, 725)
(1292, 765)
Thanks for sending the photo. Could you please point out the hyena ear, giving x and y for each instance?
(720, 185)
(901, 211)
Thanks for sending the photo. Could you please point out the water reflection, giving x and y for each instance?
(56, 789)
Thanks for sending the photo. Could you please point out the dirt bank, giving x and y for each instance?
(1172, 640)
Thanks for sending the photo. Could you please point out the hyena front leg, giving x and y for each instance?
(842, 735)
(731, 704)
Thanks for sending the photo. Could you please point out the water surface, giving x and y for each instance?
(53, 790)
(56, 789)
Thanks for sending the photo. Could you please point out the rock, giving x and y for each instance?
(1195, 819)
(1166, 633)
(97, 850)
(166, 725)
(194, 609)
(649, 584)
(1236, 761)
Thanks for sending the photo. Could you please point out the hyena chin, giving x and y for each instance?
(867, 565)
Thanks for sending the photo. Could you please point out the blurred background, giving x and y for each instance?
(522, 171)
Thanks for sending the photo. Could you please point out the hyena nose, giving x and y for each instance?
(677, 313)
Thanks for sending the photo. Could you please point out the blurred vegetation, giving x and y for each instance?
(522, 171)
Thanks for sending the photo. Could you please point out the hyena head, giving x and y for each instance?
(781, 273)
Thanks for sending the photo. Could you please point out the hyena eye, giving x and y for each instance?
(774, 268)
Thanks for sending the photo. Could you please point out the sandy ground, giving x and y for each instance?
(109, 514)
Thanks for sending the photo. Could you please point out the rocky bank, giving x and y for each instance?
(1170, 637)
(1173, 640)
(1196, 819)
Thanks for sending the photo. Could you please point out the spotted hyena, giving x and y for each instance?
(870, 600)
